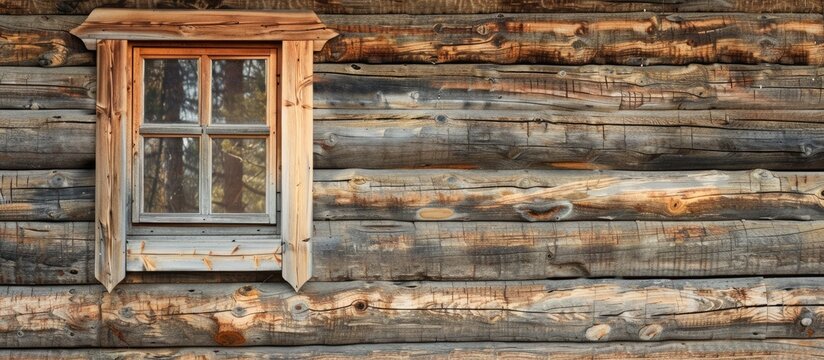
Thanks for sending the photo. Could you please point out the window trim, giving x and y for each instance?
(111, 31)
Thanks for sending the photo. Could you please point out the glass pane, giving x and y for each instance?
(239, 91)
(171, 169)
(170, 91)
(238, 175)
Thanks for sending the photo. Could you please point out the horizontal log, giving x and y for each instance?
(572, 39)
(545, 87)
(46, 139)
(62, 253)
(48, 7)
(472, 195)
(642, 140)
(47, 195)
(384, 312)
(46, 253)
(388, 250)
(711, 349)
(53, 88)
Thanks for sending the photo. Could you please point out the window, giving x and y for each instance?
(204, 143)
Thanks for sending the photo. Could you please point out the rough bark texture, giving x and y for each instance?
(358, 312)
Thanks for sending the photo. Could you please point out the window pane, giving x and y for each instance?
(238, 175)
(171, 168)
(239, 91)
(170, 91)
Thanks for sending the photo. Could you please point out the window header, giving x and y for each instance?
(203, 25)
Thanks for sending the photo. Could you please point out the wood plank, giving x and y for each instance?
(46, 253)
(385, 312)
(47, 195)
(711, 349)
(390, 250)
(46, 139)
(41, 41)
(53, 88)
(577, 39)
(33, 7)
(208, 253)
(642, 140)
(196, 25)
(111, 178)
(571, 39)
(586, 88)
(296, 123)
(473, 195)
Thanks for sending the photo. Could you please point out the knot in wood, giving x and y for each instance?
(598, 332)
(360, 305)
(806, 321)
(229, 336)
(676, 206)
(650, 332)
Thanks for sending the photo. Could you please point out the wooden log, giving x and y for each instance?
(572, 39)
(710, 349)
(41, 41)
(577, 39)
(33, 7)
(388, 250)
(47, 195)
(547, 87)
(384, 312)
(537, 139)
(472, 195)
(46, 139)
(56, 88)
(46, 253)
(642, 140)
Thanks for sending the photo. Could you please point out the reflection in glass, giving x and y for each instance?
(239, 91)
(170, 91)
(238, 175)
(171, 169)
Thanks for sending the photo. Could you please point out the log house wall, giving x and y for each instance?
(642, 177)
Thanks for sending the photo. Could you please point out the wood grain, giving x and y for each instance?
(61, 253)
(47, 195)
(712, 349)
(328, 313)
(53, 88)
(472, 195)
(112, 154)
(194, 25)
(46, 139)
(33, 7)
(571, 39)
(391, 250)
(41, 41)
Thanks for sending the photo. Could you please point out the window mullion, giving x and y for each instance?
(206, 144)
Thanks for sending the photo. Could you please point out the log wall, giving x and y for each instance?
(587, 179)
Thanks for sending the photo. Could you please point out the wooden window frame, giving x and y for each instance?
(114, 33)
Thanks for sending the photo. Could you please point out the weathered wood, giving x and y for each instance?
(547, 87)
(712, 349)
(296, 156)
(576, 39)
(41, 41)
(31, 7)
(112, 153)
(388, 250)
(46, 139)
(381, 312)
(54, 88)
(47, 195)
(211, 25)
(642, 140)
(443, 195)
(208, 253)
(46, 253)
(572, 39)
